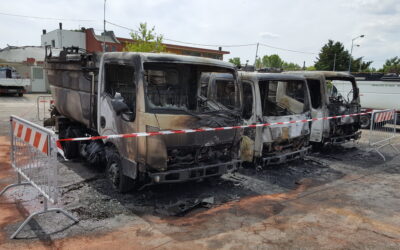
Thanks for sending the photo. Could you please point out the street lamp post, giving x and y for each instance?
(351, 50)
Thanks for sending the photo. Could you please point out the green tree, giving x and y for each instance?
(310, 68)
(326, 57)
(291, 66)
(392, 65)
(145, 40)
(236, 61)
(359, 65)
(272, 61)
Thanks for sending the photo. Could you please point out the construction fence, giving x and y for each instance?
(34, 159)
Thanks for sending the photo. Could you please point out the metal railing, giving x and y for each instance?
(43, 104)
(34, 158)
(382, 130)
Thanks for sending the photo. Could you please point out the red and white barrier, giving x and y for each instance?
(31, 135)
(186, 131)
(385, 116)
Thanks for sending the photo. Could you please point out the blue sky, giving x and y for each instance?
(303, 25)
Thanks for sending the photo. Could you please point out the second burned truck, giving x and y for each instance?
(124, 92)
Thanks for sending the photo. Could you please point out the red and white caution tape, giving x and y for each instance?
(186, 131)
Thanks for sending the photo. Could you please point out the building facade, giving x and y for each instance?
(90, 41)
(60, 38)
(28, 62)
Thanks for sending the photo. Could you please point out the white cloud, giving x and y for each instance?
(267, 35)
(303, 25)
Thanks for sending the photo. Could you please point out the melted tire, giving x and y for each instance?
(365, 121)
(71, 149)
(115, 176)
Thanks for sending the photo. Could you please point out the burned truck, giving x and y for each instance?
(271, 98)
(326, 101)
(125, 92)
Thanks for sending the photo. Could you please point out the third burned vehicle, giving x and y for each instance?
(269, 98)
(326, 101)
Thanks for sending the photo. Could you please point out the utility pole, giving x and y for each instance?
(255, 61)
(351, 51)
(104, 27)
(334, 63)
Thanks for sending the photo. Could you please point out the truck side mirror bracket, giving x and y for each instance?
(119, 106)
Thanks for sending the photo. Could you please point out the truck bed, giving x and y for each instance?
(11, 82)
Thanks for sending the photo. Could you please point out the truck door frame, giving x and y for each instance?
(127, 148)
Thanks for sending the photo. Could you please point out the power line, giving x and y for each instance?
(219, 45)
(190, 43)
(290, 50)
(123, 27)
(47, 18)
(212, 45)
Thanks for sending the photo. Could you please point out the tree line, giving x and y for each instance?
(332, 56)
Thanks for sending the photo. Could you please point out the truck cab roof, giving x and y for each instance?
(327, 74)
(270, 76)
(168, 58)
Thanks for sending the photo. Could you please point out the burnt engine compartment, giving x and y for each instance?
(339, 127)
(183, 157)
(285, 146)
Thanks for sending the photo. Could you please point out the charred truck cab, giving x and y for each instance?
(269, 98)
(145, 92)
(327, 101)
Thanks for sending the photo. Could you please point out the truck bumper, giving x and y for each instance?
(11, 90)
(194, 173)
(345, 138)
(283, 158)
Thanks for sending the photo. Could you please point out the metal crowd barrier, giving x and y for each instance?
(382, 130)
(34, 158)
(43, 104)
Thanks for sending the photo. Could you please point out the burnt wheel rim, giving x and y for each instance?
(113, 174)
(364, 121)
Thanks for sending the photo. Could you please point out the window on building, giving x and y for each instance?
(53, 43)
(37, 73)
(191, 53)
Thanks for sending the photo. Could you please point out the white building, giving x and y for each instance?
(64, 38)
(28, 62)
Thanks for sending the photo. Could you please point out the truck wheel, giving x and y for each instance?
(114, 173)
(365, 121)
(71, 149)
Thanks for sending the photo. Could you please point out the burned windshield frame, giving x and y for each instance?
(174, 87)
(353, 93)
(225, 92)
(271, 107)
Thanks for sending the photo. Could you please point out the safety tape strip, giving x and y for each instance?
(185, 131)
